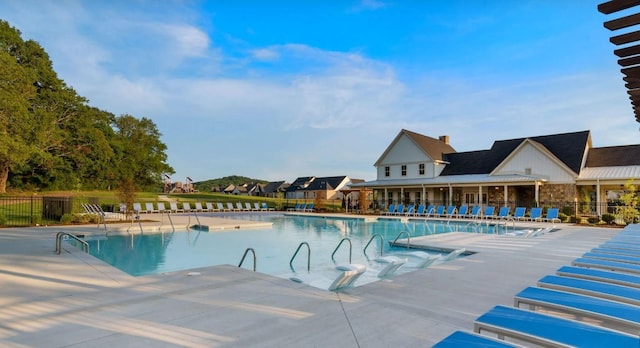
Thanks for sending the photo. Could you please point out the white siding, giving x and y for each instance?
(405, 152)
(539, 162)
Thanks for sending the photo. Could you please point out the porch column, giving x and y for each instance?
(506, 196)
(537, 194)
(480, 196)
(450, 195)
(599, 203)
(423, 197)
(401, 198)
(386, 198)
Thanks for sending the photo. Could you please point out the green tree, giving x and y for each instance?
(16, 132)
(629, 211)
(139, 153)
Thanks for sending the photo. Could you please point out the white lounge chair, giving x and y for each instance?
(210, 207)
(150, 208)
(161, 208)
(350, 273)
(198, 207)
(186, 207)
(393, 263)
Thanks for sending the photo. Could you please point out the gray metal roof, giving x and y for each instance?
(470, 179)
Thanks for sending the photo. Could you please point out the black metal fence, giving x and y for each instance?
(33, 210)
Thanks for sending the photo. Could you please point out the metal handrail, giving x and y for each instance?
(196, 215)
(85, 245)
(339, 244)
(371, 240)
(173, 228)
(408, 238)
(245, 255)
(308, 256)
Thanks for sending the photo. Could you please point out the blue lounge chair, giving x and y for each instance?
(475, 212)
(593, 288)
(519, 213)
(303, 207)
(552, 215)
(617, 314)
(627, 252)
(391, 210)
(612, 257)
(309, 208)
(503, 213)
(451, 210)
(295, 208)
(466, 339)
(431, 210)
(462, 212)
(420, 211)
(606, 264)
(489, 212)
(410, 210)
(399, 209)
(440, 210)
(619, 278)
(536, 214)
(546, 330)
(620, 246)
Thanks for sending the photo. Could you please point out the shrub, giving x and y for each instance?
(608, 218)
(66, 219)
(572, 219)
(593, 220)
(566, 210)
(563, 217)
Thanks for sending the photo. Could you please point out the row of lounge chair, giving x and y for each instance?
(302, 207)
(476, 212)
(601, 290)
(185, 207)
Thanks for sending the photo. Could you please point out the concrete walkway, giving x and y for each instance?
(73, 299)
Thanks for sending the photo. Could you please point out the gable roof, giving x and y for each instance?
(614, 156)
(569, 148)
(300, 183)
(274, 186)
(327, 183)
(434, 148)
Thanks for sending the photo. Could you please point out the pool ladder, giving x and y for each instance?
(59, 235)
(371, 240)
(337, 247)
(308, 256)
(245, 255)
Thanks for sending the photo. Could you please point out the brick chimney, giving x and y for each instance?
(444, 139)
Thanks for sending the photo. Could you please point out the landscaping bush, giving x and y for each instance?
(566, 210)
(593, 220)
(66, 219)
(608, 218)
(572, 219)
(563, 217)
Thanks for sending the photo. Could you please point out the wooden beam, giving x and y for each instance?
(633, 71)
(631, 79)
(630, 61)
(625, 38)
(612, 6)
(632, 85)
(623, 22)
(627, 51)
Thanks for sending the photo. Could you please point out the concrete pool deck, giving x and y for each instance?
(73, 299)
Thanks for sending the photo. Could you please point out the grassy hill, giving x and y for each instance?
(205, 186)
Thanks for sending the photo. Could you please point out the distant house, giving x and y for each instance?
(549, 170)
(296, 189)
(311, 187)
(273, 188)
(254, 189)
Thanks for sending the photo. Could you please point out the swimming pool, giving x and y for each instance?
(152, 253)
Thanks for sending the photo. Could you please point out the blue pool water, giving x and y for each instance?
(153, 253)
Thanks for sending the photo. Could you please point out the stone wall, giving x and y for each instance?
(550, 194)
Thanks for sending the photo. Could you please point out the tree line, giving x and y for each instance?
(52, 139)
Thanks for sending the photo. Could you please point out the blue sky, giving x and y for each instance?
(279, 89)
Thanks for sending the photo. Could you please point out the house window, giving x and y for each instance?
(387, 171)
(421, 169)
(418, 201)
(404, 170)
